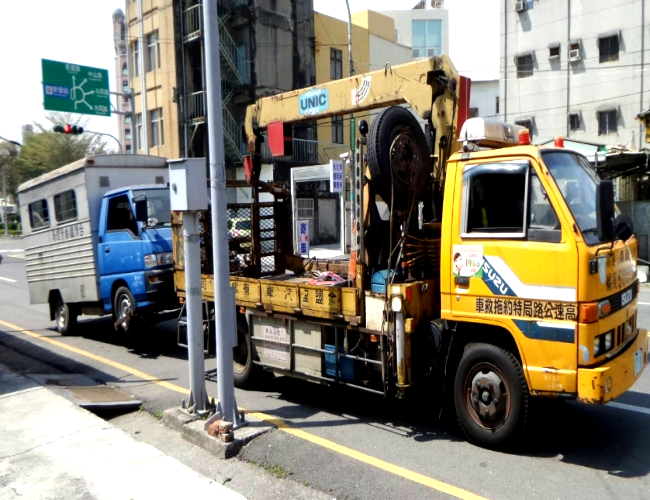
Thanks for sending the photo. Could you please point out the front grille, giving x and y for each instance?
(616, 300)
(624, 331)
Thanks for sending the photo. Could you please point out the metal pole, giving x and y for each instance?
(224, 297)
(4, 199)
(109, 135)
(193, 305)
(350, 39)
(143, 81)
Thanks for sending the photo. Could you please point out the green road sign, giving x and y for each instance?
(75, 89)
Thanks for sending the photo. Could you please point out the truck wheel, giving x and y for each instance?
(398, 155)
(122, 304)
(243, 367)
(490, 395)
(65, 317)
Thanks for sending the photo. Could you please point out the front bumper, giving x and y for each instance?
(609, 381)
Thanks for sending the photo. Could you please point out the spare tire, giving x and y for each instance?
(396, 136)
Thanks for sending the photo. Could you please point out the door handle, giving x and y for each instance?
(461, 280)
(107, 249)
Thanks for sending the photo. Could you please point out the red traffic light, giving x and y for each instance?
(68, 129)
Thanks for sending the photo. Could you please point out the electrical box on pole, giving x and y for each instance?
(189, 194)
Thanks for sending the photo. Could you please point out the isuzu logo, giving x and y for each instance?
(626, 297)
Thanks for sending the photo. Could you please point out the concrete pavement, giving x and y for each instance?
(50, 448)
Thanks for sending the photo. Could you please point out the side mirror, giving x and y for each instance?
(141, 210)
(624, 227)
(605, 210)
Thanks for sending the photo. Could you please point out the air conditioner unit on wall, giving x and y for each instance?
(521, 6)
(574, 55)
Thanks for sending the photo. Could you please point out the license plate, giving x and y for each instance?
(638, 361)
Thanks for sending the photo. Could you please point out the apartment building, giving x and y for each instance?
(124, 125)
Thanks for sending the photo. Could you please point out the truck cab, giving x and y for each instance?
(135, 249)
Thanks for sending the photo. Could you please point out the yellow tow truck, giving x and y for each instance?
(500, 272)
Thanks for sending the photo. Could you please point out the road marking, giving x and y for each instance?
(279, 423)
(637, 409)
(7, 279)
(644, 303)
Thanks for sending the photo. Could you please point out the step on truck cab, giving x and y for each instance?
(97, 234)
(483, 269)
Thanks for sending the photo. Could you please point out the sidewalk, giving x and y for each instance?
(50, 448)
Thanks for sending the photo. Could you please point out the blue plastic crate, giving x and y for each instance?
(346, 365)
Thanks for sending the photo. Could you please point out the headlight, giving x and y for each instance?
(158, 259)
(608, 341)
(150, 260)
(396, 304)
(603, 343)
(165, 259)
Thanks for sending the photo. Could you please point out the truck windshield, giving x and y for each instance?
(577, 182)
(157, 206)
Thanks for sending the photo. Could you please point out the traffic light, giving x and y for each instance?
(68, 129)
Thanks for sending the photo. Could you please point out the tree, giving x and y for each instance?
(8, 156)
(44, 150)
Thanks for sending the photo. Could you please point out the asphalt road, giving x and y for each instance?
(351, 444)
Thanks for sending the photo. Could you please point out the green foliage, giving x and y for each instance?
(44, 150)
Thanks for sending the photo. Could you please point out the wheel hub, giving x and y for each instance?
(403, 158)
(488, 396)
(61, 317)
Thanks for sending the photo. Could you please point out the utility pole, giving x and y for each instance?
(224, 295)
(350, 168)
(4, 199)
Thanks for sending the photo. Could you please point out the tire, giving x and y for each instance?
(411, 157)
(243, 366)
(122, 302)
(487, 373)
(65, 317)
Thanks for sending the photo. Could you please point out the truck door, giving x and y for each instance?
(121, 245)
(514, 264)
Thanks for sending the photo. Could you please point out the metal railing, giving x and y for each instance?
(232, 136)
(192, 23)
(196, 109)
(307, 151)
(233, 56)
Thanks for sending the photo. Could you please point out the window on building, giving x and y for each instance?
(608, 48)
(337, 130)
(554, 51)
(574, 121)
(336, 64)
(607, 122)
(125, 69)
(120, 215)
(136, 58)
(496, 107)
(473, 112)
(39, 217)
(125, 85)
(153, 51)
(138, 124)
(305, 208)
(157, 135)
(128, 147)
(127, 133)
(65, 206)
(427, 38)
(494, 199)
(526, 122)
(127, 119)
(524, 65)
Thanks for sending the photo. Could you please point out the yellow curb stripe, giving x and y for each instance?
(279, 423)
(101, 359)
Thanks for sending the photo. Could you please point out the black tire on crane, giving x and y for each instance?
(396, 136)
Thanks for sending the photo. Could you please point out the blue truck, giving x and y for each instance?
(98, 241)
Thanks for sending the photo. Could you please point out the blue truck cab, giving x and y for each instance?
(135, 252)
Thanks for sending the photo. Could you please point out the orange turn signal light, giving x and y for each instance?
(589, 312)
